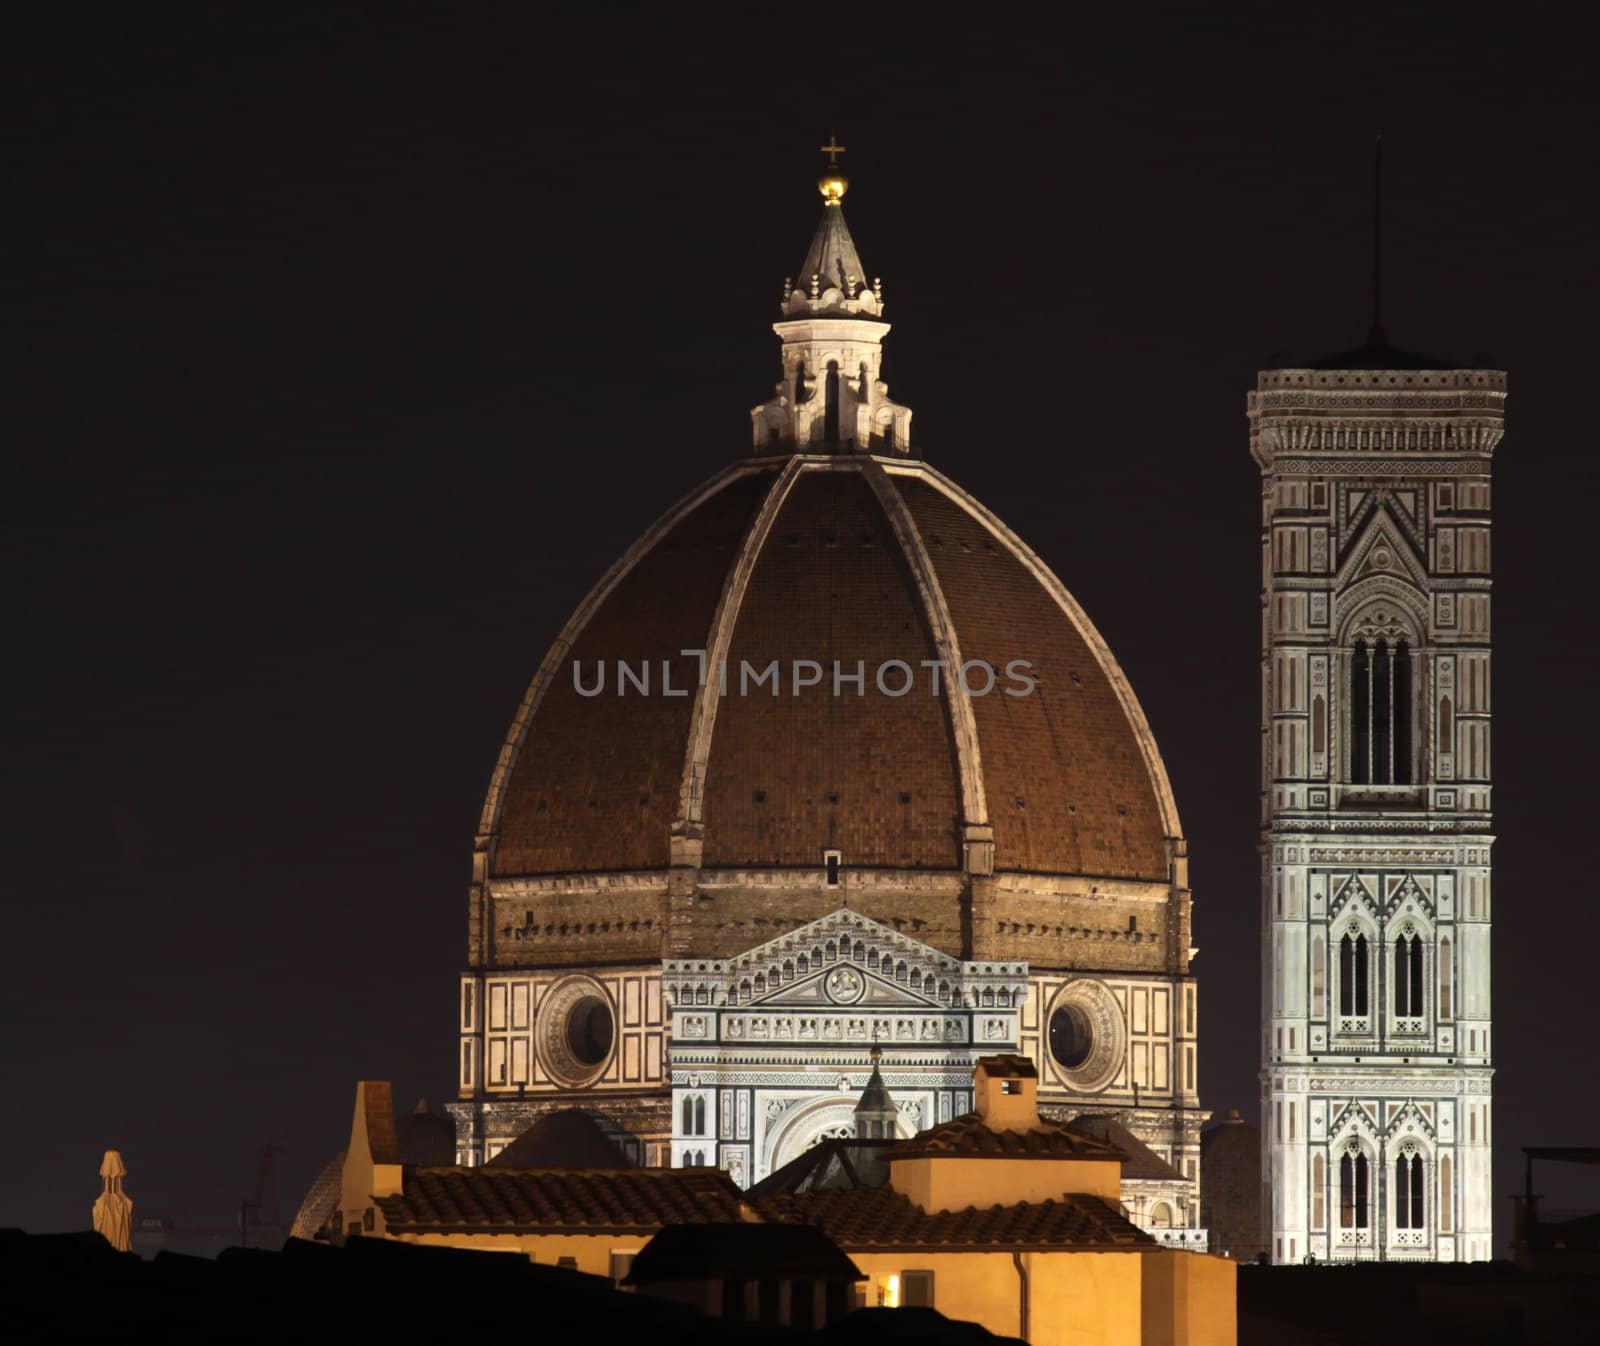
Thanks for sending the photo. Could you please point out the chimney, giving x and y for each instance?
(1007, 1089)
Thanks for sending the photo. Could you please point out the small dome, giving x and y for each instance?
(427, 1140)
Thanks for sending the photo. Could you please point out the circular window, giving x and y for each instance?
(575, 1031)
(1071, 1038)
(1086, 1035)
(589, 1030)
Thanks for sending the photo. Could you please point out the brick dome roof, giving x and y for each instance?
(851, 558)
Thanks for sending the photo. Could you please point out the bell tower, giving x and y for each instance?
(1376, 1040)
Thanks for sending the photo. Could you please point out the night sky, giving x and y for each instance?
(343, 356)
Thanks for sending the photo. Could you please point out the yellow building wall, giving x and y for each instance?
(1190, 1299)
(1075, 1299)
(958, 1182)
(591, 1251)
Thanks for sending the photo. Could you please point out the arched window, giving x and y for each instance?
(1408, 976)
(1444, 976)
(688, 1116)
(1381, 748)
(1161, 1216)
(1447, 726)
(1353, 1184)
(1319, 724)
(1353, 975)
(1409, 1204)
(1360, 715)
(1319, 1191)
(699, 1117)
(830, 414)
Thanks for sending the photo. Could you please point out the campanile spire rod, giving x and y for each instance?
(1375, 337)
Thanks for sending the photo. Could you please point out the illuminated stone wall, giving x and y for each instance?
(1376, 1033)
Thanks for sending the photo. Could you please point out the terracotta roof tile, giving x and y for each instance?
(1069, 792)
(596, 778)
(864, 1218)
(870, 775)
(969, 1137)
(525, 1200)
(1008, 1066)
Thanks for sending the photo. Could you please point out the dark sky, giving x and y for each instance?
(343, 356)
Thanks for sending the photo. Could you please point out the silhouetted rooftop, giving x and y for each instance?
(742, 1252)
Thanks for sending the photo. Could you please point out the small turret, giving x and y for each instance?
(876, 1114)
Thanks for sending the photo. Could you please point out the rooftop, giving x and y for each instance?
(740, 1251)
(970, 1137)
(509, 1200)
(865, 1218)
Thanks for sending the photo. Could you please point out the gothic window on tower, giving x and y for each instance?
(1408, 982)
(1382, 748)
(1354, 983)
(1409, 1195)
(1353, 1191)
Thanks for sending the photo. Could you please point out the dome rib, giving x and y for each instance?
(1155, 768)
(691, 793)
(594, 600)
(941, 626)
(872, 776)
(769, 562)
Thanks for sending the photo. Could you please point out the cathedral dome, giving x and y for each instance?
(941, 711)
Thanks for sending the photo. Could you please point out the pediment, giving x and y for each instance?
(1408, 1116)
(1355, 1116)
(1353, 895)
(1408, 888)
(839, 925)
(1383, 546)
(843, 960)
(843, 986)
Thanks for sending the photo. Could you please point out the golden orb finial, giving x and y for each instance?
(833, 184)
